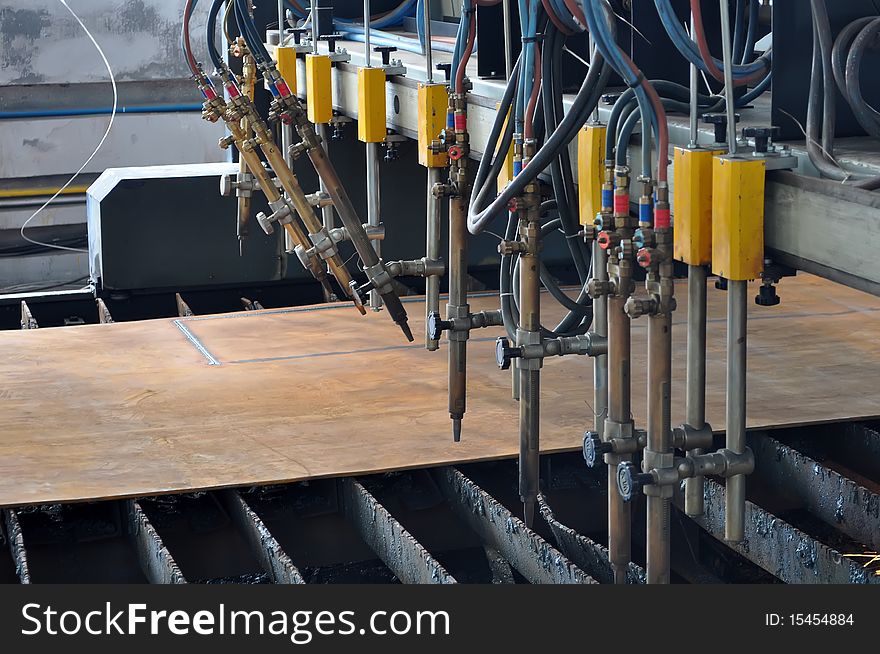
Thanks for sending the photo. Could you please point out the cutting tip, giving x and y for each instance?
(528, 512)
(241, 247)
(404, 327)
(456, 430)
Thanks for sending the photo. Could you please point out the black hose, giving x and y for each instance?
(482, 210)
(865, 114)
(211, 28)
(822, 90)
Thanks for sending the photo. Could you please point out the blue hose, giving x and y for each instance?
(391, 19)
(99, 111)
(689, 49)
(752, 33)
(762, 86)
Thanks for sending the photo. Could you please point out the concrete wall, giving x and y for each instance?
(48, 63)
(41, 43)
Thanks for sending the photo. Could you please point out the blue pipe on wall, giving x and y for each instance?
(100, 111)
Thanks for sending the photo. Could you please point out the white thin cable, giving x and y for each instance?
(91, 156)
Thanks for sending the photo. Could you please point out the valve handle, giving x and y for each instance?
(436, 326)
(593, 449)
(504, 352)
(630, 481)
(264, 222)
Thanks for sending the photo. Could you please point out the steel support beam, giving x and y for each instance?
(529, 554)
(589, 555)
(839, 501)
(266, 549)
(154, 558)
(16, 545)
(402, 553)
(779, 548)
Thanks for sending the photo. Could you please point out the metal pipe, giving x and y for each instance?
(659, 445)
(507, 21)
(372, 150)
(529, 333)
(374, 208)
(327, 216)
(281, 22)
(367, 51)
(735, 490)
(694, 109)
(457, 307)
(432, 251)
(429, 53)
(696, 377)
(619, 513)
(600, 327)
(728, 76)
(314, 11)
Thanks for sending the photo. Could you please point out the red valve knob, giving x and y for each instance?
(455, 153)
(644, 257)
(604, 240)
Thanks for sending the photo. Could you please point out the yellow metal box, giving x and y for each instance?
(433, 102)
(737, 217)
(371, 105)
(692, 205)
(591, 164)
(285, 56)
(319, 91)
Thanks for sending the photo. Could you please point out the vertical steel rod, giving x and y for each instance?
(507, 21)
(600, 327)
(281, 23)
(367, 54)
(432, 251)
(314, 11)
(659, 443)
(728, 76)
(735, 492)
(619, 512)
(737, 304)
(374, 208)
(696, 377)
(429, 53)
(694, 80)
(458, 304)
(530, 372)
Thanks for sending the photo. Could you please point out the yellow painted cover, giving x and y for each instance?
(591, 164)
(737, 218)
(692, 205)
(371, 105)
(319, 92)
(285, 56)
(433, 102)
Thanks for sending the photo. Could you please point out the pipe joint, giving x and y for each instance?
(590, 344)
(423, 267)
(686, 437)
(723, 463)
(379, 278)
(637, 307)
